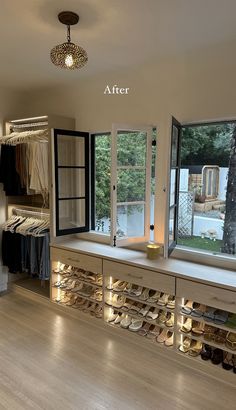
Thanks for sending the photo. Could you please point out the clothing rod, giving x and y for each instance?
(29, 125)
(27, 211)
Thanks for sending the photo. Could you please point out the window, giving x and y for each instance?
(207, 189)
(71, 150)
(123, 169)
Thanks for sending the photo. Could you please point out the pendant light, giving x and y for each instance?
(68, 55)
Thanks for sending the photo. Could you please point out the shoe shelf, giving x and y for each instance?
(144, 319)
(144, 302)
(208, 342)
(201, 320)
(66, 297)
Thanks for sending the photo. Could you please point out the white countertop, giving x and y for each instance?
(186, 270)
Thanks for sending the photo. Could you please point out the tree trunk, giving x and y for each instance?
(229, 237)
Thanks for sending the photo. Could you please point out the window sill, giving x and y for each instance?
(204, 258)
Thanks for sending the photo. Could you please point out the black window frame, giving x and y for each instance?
(85, 135)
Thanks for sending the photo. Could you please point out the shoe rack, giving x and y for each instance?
(194, 323)
(75, 286)
(206, 326)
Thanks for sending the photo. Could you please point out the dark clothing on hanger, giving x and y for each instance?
(8, 173)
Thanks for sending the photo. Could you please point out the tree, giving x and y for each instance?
(229, 237)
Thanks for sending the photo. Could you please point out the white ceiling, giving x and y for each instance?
(115, 33)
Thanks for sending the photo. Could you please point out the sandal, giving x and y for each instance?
(209, 314)
(163, 299)
(198, 328)
(154, 295)
(220, 336)
(198, 310)
(195, 348)
(170, 321)
(217, 356)
(221, 317)
(228, 362)
(209, 333)
(152, 314)
(187, 308)
(145, 294)
(187, 325)
(170, 339)
(206, 352)
(153, 332)
(185, 346)
(171, 302)
(231, 340)
(144, 330)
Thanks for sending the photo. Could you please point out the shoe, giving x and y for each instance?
(170, 322)
(171, 302)
(187, 326)
(152, 314)
(209, 333)
(195, 348)
(144, 330)
(231, 340)
(126, 322)
(220, 336)
(162, 317)
(119, 286)
(136, 290)
(135, 325)
(221, 317)
(119, 318)
(154, 295)
(163, 299)
(153, 332)
(145, 294)
(198, 310)
(128, 288)
(135, 308)
(170, 339)
(112, 317)
(187, 308)
(163, 336)
(197, 328)
(231, 322)
(209, 314)
(206, 352)
(143, 312)
(185, 346)
(228, 362)
(128, 305)
(77, 288)
(217, 356)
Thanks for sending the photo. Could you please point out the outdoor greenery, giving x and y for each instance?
(200, 243)
(206, 145)
(131, 150)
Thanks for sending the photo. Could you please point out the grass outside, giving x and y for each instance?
(201, 243)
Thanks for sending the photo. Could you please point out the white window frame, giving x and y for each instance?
(131, 240)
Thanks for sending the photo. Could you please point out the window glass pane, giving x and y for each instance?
(71, 213)
(172, 186)
(131, 184)
(71, 150)
(174, 146)
(171, 224)
(71, 182)
(207, 179)
(130, 221)
(102, 183)
(131, 148)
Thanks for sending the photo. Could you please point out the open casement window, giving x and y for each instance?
(174, 184)
(131, 158)
(71, 150)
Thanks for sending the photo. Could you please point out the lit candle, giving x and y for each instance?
(153, 251)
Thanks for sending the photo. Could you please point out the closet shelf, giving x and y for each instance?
(83, 297)
(144, 302)
(208, 342)
(135, 334)
(79, 280)
(144, 319)
(201, 320)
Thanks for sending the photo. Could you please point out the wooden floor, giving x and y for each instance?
(49, 360)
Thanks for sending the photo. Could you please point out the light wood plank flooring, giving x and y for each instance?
(50, 360)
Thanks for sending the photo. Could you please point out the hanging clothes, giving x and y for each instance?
(25, 246)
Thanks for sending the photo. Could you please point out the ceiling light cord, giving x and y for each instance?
(68, 34)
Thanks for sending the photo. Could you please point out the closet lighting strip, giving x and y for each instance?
(43, 117)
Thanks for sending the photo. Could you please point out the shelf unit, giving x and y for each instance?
(112, 272)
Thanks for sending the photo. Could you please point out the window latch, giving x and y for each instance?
(154, 143)
(152, 227)
(114, 240)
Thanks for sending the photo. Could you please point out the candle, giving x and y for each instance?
(153, 251)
